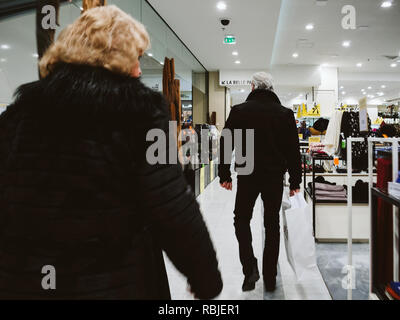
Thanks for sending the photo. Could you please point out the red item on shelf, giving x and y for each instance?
(384, 225)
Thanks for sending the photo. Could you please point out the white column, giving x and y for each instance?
(327, 94)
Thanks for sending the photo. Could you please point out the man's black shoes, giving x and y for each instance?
(249, 282)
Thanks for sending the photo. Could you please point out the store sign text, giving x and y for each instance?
(235, 82)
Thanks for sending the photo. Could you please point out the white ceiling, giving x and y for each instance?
(269, 32)
(196, 22)
(367, 46)
(255, 23)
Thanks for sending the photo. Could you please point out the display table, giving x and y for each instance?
(330, 217)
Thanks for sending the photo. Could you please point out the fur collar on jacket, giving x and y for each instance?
(93, 91)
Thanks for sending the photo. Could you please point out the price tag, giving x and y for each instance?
(314, 139)
(300, 136)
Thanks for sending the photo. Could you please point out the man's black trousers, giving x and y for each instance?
(248, 189)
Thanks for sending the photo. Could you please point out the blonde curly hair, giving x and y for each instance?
(102, 37)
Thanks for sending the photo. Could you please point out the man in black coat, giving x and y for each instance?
(276, 150)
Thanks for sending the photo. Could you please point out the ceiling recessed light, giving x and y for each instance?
(380, 94)
(242, 90)
(5, 46)
(310, 26)
(359, 65)
(235, 53)
(364, 93)
(369, 88)
(221, 5)
(386, 4)
(324, 65)
(162, 63)
(344, 92)
(3, 60)
(295, 55)
(150, 54)
(35, 55)
(346, 44)
(393, 65)
(341, 87)
(383, 86)
(237, 61)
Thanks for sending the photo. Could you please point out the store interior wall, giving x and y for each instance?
(217, 99)
(18, 63)
(228, 103)
(199, 106)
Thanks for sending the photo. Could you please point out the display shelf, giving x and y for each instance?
(321, 157)
(385, 196)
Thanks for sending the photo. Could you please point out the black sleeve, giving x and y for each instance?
(177, 222)
(224, 167)
(292, 150)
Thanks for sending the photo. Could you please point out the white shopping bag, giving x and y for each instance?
(298, 234)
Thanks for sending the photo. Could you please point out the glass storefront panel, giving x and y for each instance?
(18, 63)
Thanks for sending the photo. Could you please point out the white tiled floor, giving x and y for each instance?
(217, 207)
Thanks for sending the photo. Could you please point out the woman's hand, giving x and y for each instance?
(294, 192)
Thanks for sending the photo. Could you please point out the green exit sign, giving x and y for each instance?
(230, 40)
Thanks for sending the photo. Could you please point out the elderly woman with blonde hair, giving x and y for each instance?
(77, 193)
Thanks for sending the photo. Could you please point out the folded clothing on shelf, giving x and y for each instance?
(328, 187)
(337, 194)
(321, 179)
(360, 191)
(314, 147)
(331, 198)
(325, 190)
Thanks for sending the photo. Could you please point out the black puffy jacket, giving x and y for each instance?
(77, 193)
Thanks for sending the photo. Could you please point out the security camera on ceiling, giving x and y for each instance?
(225, 21)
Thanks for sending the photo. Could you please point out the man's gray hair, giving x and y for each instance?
(262, 80)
